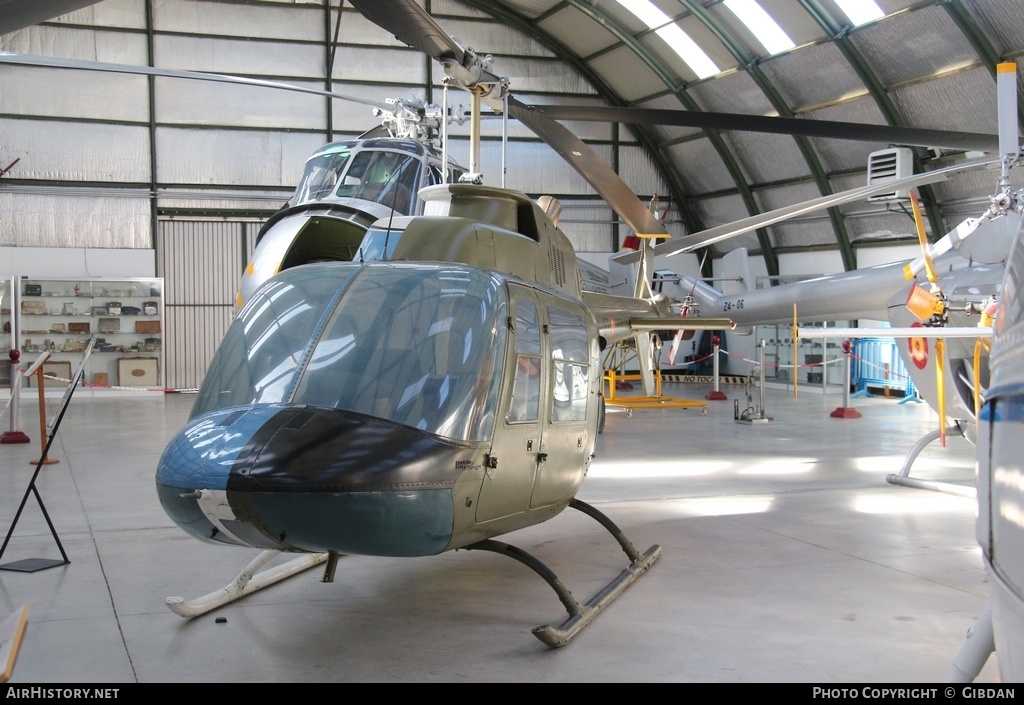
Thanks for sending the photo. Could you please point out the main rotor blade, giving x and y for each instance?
(598, 174)
(17, 14)
(85, 65)
(412, 25)
(888, 134)
(710, 236)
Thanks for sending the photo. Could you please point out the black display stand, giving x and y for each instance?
(31, 565)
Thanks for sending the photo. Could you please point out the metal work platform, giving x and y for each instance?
(630, 402)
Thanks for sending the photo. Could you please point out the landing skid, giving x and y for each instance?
(579, 615)
(248, 581)
(980, 645)
(903, 477)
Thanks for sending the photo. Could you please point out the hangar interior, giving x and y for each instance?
(113, 178)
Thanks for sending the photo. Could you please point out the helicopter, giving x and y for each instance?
(965, 268)
(405, 404)
(940, 306)
(1001, 625)
(347, 472)
(438, 390)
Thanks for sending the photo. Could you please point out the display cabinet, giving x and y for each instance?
(812, 360)
(7, 325)
(124, 315)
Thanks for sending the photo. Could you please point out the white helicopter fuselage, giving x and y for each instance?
(1000, 526)
(969, 276)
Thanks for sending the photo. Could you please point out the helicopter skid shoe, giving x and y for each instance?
(580, 615)
(904, 478)
(248, 581)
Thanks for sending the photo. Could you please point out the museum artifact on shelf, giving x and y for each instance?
(60, 315)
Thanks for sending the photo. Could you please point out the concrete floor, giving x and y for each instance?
(787, 557)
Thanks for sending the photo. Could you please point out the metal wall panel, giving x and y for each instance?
(247, 20)
(637, 170)
(242, 56)
(76, 151)
(87, 43)
(109, 13)
(34, 91)
(582, 36)
(922, 43)
(183, 101)
(231, 157)
(201, 263)
(63, 220)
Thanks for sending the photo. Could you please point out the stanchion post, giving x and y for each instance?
(715, 393)
(846, 411)
(15, 434)
(43, 460)
(760, 361)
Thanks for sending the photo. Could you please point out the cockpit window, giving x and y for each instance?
(320, 177)
(260, 355)
(419, 345)
(389, 178)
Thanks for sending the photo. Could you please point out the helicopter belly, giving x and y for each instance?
(299, 478)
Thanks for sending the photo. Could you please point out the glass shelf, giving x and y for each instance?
(124, 315)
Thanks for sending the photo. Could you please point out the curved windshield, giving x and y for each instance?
(320, 177)
(260, 355)
(389, 178)
(421, 345)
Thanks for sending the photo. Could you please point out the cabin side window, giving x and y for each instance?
(435, 175)
(570, 364)
(525, 406)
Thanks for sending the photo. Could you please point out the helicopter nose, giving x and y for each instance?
(298, 478)
(197, 463)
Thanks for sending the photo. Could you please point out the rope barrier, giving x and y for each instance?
(863, 361)
(163, 390)
(786, 366)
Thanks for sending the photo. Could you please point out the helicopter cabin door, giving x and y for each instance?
(540, 446)
(566, 443)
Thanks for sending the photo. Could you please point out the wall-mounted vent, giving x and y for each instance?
(888, 165)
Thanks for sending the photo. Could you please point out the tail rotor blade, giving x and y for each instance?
(1006, 87)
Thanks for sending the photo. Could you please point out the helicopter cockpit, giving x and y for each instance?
(344, 188)
(416, 344)
(386, 171)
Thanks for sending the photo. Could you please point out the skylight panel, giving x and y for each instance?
(860, 11)
(674, 36)
(761, 24)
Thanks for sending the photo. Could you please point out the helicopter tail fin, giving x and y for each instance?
(737, 278)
